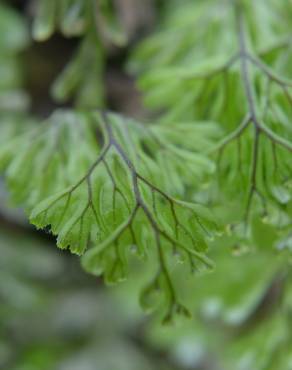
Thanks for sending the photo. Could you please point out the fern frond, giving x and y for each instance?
(231, 73)
(95, 180)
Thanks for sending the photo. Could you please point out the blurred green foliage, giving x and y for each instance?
(52, 315)
(14, 38)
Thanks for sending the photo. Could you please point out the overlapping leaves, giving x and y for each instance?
(100, 183)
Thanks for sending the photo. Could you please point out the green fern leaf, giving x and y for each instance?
(230, 71)
(107, 198)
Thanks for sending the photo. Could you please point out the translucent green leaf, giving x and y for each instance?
(101, 199)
